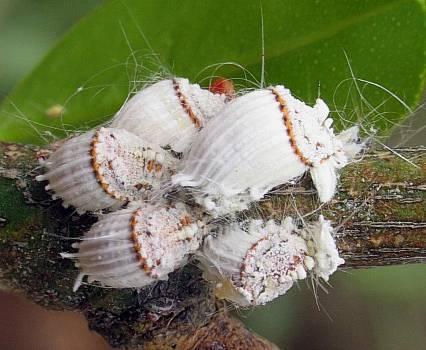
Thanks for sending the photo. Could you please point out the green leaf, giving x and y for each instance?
(107, 55)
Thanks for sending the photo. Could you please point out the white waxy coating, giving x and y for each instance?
(105, 169)
(169, 112)
(253, 263)
(322, 248)
(260, 140)
(137, 246)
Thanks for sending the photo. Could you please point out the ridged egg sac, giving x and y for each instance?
(106, 169)
(254, 262)
(134, 247)
(169, 112)
(261, 140)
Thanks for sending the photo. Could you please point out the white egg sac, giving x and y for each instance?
(106, 169)
(254, 262)
(260, 140)
(137, 246)
(169, 112)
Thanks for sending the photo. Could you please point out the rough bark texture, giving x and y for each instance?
(380, 211)
(380, 208)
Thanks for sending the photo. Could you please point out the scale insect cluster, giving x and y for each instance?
(173, 142)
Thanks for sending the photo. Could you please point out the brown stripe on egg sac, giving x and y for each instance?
(105, 169)
(185, 105)
(98, 172)
(252, 146)
(254, 262)
(137, 246)
(289, 127)
(169, 113)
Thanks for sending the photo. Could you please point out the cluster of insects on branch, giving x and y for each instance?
(177, 158)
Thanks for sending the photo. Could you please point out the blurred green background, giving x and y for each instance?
(29, 28)
(382, 308)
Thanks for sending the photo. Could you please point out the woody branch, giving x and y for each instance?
(379, 211)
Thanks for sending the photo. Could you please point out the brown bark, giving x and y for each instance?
(379, 209)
